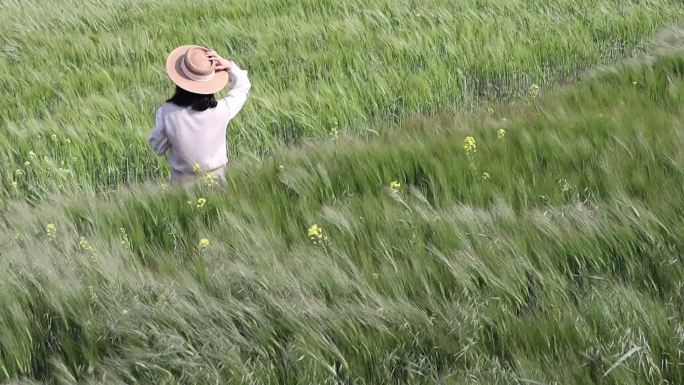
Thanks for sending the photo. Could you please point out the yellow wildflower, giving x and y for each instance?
(281, 167)
(210, 179)
(485, 175)
(123, 238)
(334, 134)
(85, 245)
(501, 133)
(51, 231)
(201, 202)
(15, 184)
(32, 155)
(534, 90)
(395, 185)
(470, 146)
(203, 243)
(315, 231)
(27, 163)
(316, 234)
(197, 168)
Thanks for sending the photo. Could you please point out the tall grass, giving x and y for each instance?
(82, 78)
(563, 266)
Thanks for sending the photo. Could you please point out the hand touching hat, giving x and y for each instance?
(197, 69)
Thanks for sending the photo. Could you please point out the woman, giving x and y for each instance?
(191, 126)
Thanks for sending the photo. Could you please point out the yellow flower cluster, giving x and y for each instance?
(203, 243)
(85, 246)
(210, 179)
(486, 176)
(501, 133)
(123, 238)
(470, 146)
(315, 233)
(201, 202)
(196, 168)
(534, 90)
(395, 185)
(51, 231)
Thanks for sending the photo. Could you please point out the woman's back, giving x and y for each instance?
(196, 137)
(191, 128)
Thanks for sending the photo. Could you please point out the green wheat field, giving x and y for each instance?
(420, 192)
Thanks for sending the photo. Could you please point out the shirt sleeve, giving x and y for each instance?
(237, 96)
(158, 139)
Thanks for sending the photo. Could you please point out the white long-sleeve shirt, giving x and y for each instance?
(198, 137)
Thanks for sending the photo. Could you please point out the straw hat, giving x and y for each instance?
(190, 69)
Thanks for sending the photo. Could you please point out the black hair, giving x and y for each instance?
(198, 102)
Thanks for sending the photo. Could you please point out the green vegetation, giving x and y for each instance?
(547, 249)
(91, 72)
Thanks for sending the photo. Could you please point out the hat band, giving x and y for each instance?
(191, 76)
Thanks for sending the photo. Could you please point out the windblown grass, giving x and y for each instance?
(81, 79)
(562, 267)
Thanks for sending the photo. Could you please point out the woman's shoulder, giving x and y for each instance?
(168, 108)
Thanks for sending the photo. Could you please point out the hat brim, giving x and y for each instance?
(173, 69)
